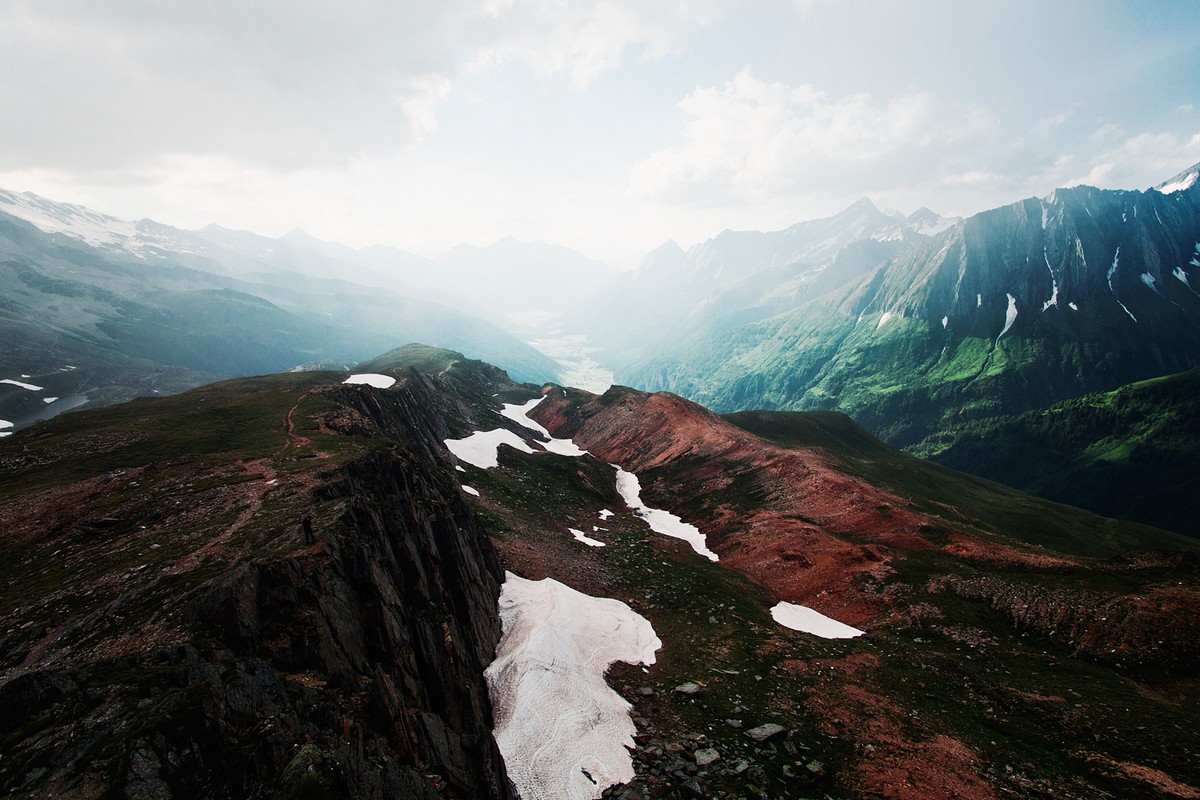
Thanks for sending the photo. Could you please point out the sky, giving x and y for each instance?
(608, 126)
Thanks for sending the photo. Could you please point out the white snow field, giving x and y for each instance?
(372, 379)
(580, 536)
(660, 521)
(520, 415)
(471, 490)
(481, 448)
(4, 425)
(556, 720)
(803, 618)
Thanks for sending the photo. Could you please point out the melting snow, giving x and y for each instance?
(803, 618)
(372, 379)
(887, 315)
(48, 400)
(554, 714)
(520, 415)
(978, 300)
(580, 536)
(604, 512)
(6, 424)
(1010, 315)
(1148, 279)
(945, 321)
(660, 521)
(28, 386)
(1111, 272)
(470, 490)
(482, 448)
(1053, 301)
(1073, 306)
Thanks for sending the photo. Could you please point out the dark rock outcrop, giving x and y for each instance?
(350, 669)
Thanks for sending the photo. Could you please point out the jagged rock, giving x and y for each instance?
(352, 669)
(689, 689)
(733, 723)
(707, 756)
(768, 732)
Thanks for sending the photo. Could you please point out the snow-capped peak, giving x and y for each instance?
(90, 227)
(1184, 180)
(928, 223)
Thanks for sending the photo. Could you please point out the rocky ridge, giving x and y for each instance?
(350, 667)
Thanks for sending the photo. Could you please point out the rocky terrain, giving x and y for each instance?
(167, 630)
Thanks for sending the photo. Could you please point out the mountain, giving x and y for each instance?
(1010, 310)
(675, 301)
(169, 631)
(96, 309)
(1130, 453)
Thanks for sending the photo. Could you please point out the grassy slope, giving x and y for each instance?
(1130, 453)
(946, 493)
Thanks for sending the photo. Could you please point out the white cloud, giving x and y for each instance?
(1131, 161)
(102, 85)
(753, 140)
(583, 40)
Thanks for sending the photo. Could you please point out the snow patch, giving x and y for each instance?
(554, 714)
(660, 521)
(1053, 301)
(372, 379)
(1111, 272)
(803, 618)
(1073, 306)
(520, 415)
(945, 321)
(28, 386)
(978, 300)
(470, 490)
(604, 512)
(887, 315)
(482, 448)
(1010, 315)
(1148, 279)
(48, 400)
(580, 536)
(5, 423)
(1186, 182)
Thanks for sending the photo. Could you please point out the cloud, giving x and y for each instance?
(751, 140)
(1129, 161)
(583, 40)
(101, 85)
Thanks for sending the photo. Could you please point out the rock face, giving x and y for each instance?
(1160, 628)
(353, 668)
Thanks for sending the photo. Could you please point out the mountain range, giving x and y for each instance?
(98, 309)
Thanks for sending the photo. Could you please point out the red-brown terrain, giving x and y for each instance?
(788, 517)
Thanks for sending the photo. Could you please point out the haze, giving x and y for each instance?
(607, 127)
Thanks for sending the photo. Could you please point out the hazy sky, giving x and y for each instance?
(608, 126)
